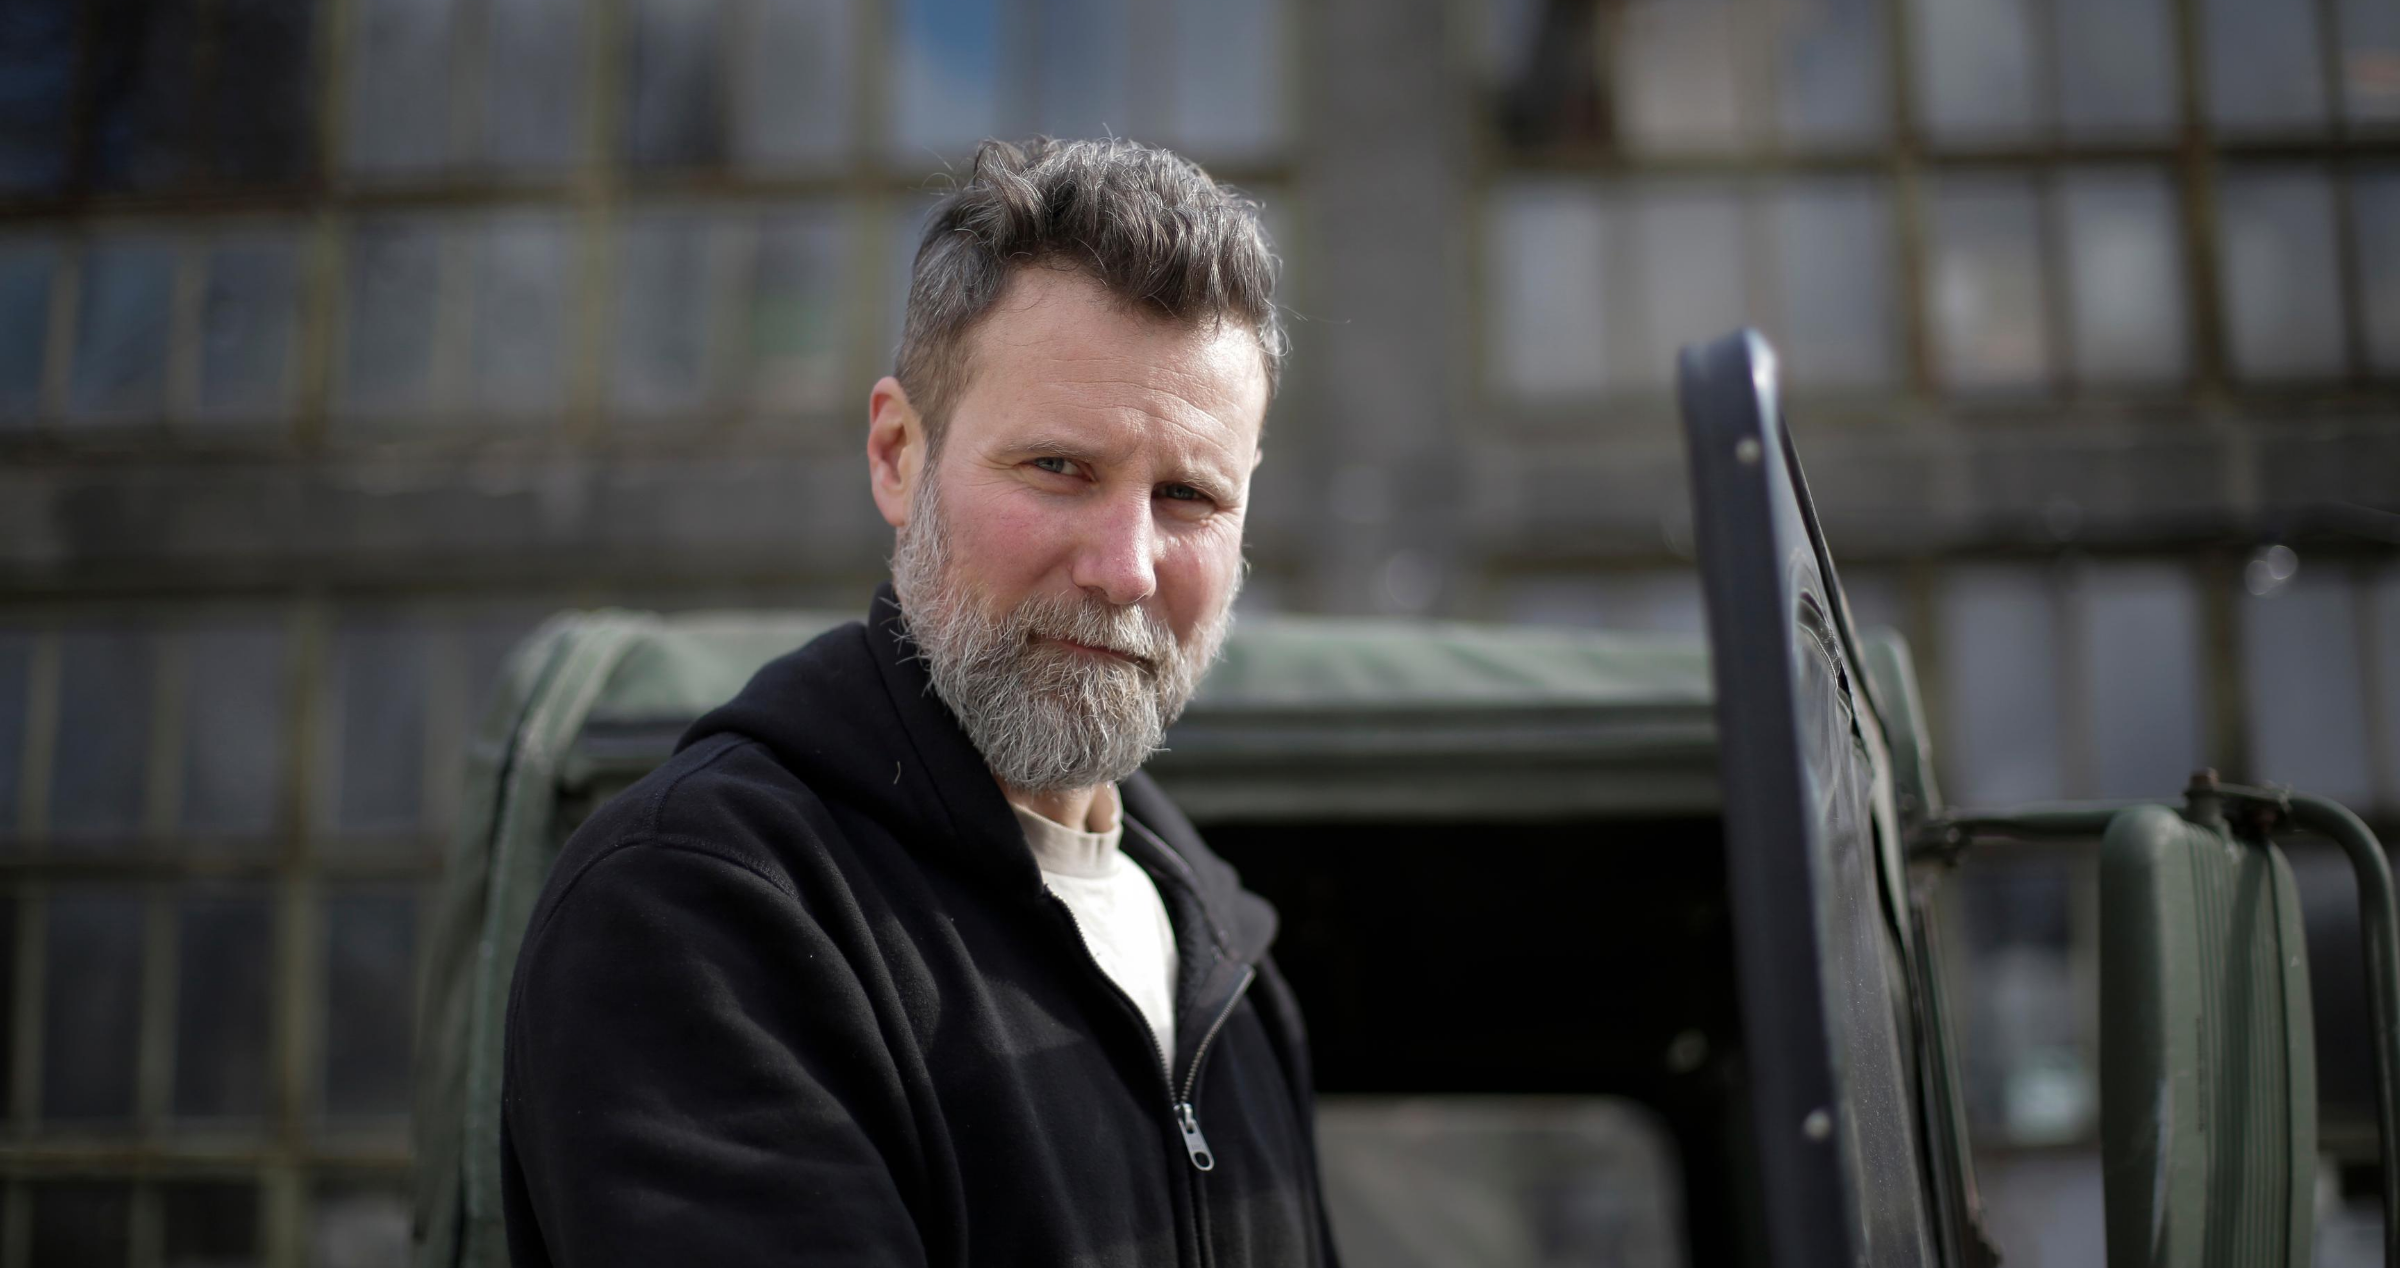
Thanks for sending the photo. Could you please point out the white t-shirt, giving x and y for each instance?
(1117, 907)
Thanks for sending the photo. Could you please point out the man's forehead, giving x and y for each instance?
(1058, 348)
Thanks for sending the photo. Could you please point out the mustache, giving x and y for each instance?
(1134, 632)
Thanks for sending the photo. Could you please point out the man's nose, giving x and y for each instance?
(1116, 557)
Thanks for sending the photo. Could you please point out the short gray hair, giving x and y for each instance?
(1145, 223)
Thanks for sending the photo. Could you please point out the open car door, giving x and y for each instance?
(1851, 1091)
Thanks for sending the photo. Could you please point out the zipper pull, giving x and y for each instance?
(1194, 1143)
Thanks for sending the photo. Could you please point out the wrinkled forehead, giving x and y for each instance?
(1059, 351)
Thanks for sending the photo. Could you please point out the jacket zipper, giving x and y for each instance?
(1185, 1115)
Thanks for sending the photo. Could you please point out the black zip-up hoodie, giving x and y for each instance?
(800, 997)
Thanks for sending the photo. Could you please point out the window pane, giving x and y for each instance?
(370, 964)
(16, 663)
(2371, 60)
(1986, 277)
(121, 327)
(1999, 666)
(246, 319)
(104, 699)
(2275, 249)
(382, 682)
(1975, 69)
(796, 87)
(26, 268)
(210, 1224)
(796, 325)
(2375, 212)
(1690, 259)
(533, 80)
(359, 1226)
(1084, 85)
(675, 116)
(1228, 77)
(1833, 251)
(2265, 66)
(1546, 261)
(81, 1222)
(37, 80)
(1678, 85)
(948, 95)
(2124, 275)
(2141, 652)
(91, 1006)
(394, 283)
(662, 313)
(2301, 665)
(1495, 1180)
(521, 282)
(234, 730)
(2116, 67)
(142, 96)
(224, 971)
(400, 87)
(265, 115)
(1835, 89)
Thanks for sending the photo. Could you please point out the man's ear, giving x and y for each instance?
(895, 450)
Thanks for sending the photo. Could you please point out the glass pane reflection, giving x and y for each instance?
(2140, 626)
(399, 76)
(1548, 264)
(247, 313)
(675, 109)
(26, 269)
(2000, 666)
(2375, 213)
(224, 969)
(2265, 64)
(121, 328)
(796, 86)
(1835, 82)
(370, 968)
(1228, 77)
(2115, 63)
(2302, 669)
(234, 727)
(91, 1006)
(86, 1223)
(1987, 294)
(1975, 71)
(947, 63)
(1832, 243)
(98, 775)
(2124, 275)
(2283, 298)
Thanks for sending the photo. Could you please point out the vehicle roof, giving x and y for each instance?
(1308, 717)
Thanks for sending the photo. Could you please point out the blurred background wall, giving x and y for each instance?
(342, 339)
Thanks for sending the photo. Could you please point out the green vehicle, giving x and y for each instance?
(1607, 871)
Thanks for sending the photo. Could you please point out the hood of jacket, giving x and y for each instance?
(854, 715)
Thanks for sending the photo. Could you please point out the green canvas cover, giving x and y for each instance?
(1303, 720)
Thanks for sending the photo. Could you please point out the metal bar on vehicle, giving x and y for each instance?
(2379, 941)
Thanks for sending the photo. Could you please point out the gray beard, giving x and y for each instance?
(1045, 718)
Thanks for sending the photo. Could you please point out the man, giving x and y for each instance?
(899, 960)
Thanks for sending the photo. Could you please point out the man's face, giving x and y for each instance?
(1068, 560)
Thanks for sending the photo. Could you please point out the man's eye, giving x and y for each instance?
(1181, 493)
(1056, 466)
